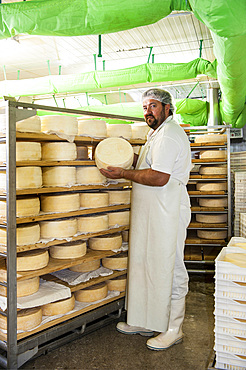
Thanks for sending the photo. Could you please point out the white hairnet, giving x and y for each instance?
(161, 95)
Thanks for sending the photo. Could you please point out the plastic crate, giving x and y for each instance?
(230, 344)
(230, 308)
(230, 289)
(236, 239)
(230, 361)
(230, 326)
(227, 270)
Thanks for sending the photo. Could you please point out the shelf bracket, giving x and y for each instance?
(117, 315)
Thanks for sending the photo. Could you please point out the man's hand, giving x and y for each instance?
(113, 172)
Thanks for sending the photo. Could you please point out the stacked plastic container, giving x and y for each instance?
(230, 306)
(243, 224)
(239, 199)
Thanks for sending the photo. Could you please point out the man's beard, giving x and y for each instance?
(153, 123)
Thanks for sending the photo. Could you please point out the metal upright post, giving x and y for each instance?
(229, 180)
(11, 236)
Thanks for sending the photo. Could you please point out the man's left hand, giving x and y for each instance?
(113, 172)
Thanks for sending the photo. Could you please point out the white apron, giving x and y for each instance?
(155, 213)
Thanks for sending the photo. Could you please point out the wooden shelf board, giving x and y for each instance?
(203, 225)
(194, 240)
(208, 209)
(218, 144)
(43, 163)
(210, 160)
(198, 192)
(212, 177)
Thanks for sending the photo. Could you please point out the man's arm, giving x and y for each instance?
(145, 177)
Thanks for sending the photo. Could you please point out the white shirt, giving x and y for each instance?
(169, 150)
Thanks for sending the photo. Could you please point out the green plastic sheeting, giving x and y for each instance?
(192, 111)
(94, 81)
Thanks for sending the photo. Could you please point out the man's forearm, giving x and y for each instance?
(146, 177)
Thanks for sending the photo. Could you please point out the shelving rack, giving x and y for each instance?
(16, 349)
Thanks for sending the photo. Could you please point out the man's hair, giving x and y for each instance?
(161, 95)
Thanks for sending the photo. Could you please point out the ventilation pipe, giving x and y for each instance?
(213, 114)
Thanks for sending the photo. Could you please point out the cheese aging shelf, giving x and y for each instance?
(209, 188)
(16, 349)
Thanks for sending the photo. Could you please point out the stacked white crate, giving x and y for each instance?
(243, 225)
(230, 309)
(239, 199)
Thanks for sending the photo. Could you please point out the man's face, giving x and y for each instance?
(154, 112)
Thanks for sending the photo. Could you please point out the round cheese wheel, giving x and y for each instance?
(238, 259)
(211, 219)
(59, 151)
(213, 202)
(119, 197)
(28, 177)
(59, 307)
(59, 176)
(210, 138)
(104, 243)
(92, 293)
(82, 152)
(24, 207)
(88, 175)
(207, 234)
(115, 152)
(75, 249)
(214, 154)
(94, 200)
(94, 128)
(240, 245)
(125, 235)
(32, 260)
(119, 130)
(86, 266)
(67, 125)
(118, 262)
(118, 283)
(139, 131)
(92, 224)
(25, 151)
(60, 203)
(213, 170)
(25, 234)
(26, 319)
(211, 186)
(24, 287)
(31, 124)
(119, 218)
(58, 228)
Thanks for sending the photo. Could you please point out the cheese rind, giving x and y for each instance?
(94, 200)
(59, 151)
(25, 151)
(59, 176)
(93, 224)
(115, 152)
(25, 234)
(210, 138)
(24, 207)
(214, 154)
(92, 293)
(86, 266)
(59, 307)
(119, 130)
(214, 219)
(58, 228)
(92, 128)
(213, 202)
(119, 218)
(205, 234)
(60, 203)
(139, 131)
(118, 283)
(119, 197)
(118, 262)
(211, 186)
(75, 249)
(24, 287)
(82, 152)
(67, 125)
(213, 170)
(125, 235)
(104, 243)
(32, 260)
(26, 319)
(90, 175)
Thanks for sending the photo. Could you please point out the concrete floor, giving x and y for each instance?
(108, 349)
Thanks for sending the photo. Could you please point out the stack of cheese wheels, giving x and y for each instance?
(119, 218)
(59, 151)
(92, 293)
(115, 152)
(211, 138)
(213, 186)
(119, 197)
(104, 243)
(208, 234)
(89, 175)
(94, 200)
(25, 151)
(86, 266)
(94, 128)
(26, 178)
(60, 203)
(119, 130)
(211, 219)
(59, 307)
(213, 154)
(70, 250)
(118, 283)
(93, 224)
(24, 207)
(82, 152)
(213, 202)
(25, 234)
(67, 125)
(26, 319)
(213, 170)
(118, 262)
(125, 235)
(32, 260)
(31, 124)
(59, 176)
(139, 131)
(24, 287)
(61, 228)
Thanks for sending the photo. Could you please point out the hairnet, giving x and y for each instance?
(161, 95)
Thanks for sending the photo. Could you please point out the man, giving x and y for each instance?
(160, 214)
